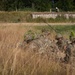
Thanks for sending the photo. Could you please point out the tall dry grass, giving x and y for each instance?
(17, 61)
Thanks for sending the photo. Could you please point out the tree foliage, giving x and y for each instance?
(39, 5)
(66, 5)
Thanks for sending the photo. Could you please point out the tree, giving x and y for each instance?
(39, 5)
(66, 5)
(42, 5)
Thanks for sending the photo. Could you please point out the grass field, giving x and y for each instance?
(16, 61)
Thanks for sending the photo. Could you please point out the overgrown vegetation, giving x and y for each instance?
(37, 5)
(21, 16)
(16, 61)
(14, 16)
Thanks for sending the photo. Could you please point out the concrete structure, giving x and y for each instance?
(53, 14)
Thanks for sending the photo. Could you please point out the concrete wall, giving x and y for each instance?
(52, 15)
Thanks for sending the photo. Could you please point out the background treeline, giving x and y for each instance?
(37, 5)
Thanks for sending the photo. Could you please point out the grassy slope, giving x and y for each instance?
(58, 28)
(22, 16)
(14, 16)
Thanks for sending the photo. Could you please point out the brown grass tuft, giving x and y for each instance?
(16, 61)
